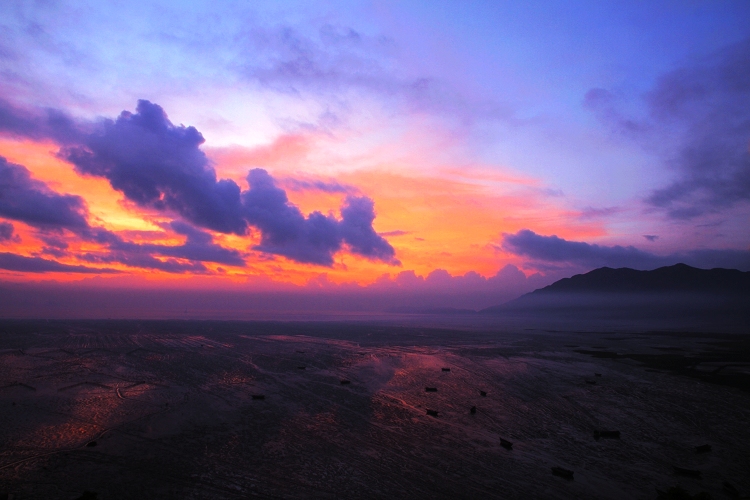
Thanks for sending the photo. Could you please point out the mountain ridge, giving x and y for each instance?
(606, 282)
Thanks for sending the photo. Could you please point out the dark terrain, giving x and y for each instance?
(165, 409)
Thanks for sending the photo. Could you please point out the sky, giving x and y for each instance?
(450, 153)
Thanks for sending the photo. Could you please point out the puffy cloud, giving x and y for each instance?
(552, 249)
(20, 263)
(357, 215)
(284, 230)
(159, 165)
(315, 238)
(32, 202)
(699, 119)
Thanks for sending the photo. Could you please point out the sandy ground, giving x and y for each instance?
(165, 410)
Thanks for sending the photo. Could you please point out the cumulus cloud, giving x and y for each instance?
(699, 118)
(315, 238)
(159, 165)
(32, 202)
(357, 215)
(555, 250)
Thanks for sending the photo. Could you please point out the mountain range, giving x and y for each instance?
(672, 289)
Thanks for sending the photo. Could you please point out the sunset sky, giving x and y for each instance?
(482, 147)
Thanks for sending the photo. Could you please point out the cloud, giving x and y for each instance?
(6, 231)
(552, 249)
(595, 213)
(38, 124)
(20, 263)
(651, 237)
(198, 248)
(699, 119)
(337, 60)
(397, 232)
(159, 165)
(318, 185)
(313, 239)
(145, 261)
(32, 202)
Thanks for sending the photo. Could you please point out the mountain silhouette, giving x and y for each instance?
(666, 289)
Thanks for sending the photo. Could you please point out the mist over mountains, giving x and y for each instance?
(673, 291)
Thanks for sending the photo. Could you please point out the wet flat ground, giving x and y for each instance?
(128, 409)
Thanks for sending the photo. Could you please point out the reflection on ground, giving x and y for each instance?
(166, 410)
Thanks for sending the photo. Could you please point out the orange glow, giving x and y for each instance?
(104, 203)
(448, 217)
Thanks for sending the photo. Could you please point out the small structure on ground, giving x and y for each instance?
(606, 435)
(563, 473)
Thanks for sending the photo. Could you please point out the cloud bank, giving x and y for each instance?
(159, 165)
(544, 250)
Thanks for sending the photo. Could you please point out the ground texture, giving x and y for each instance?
(166, 410)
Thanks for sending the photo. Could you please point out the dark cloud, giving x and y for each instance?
(38, 124)
(198, 248)
(145, 261)
(284, 230)
(313, 239)
(357, 215)
(20, 263)
(651, 237)
(6, 231)
(699, 119)
(159, 165)
(553, 250)
(32, 202)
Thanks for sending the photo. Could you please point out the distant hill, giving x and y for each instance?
(667, 289)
